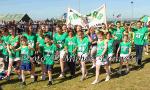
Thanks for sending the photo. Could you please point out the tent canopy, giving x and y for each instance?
(16, 17)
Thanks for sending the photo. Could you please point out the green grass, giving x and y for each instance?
(137, 79)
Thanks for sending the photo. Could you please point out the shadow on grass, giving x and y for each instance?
(146, 61)
(91, 72)
(1, 88)
(134, 67)
(10, 82)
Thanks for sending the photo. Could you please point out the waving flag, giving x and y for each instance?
(145, 19)
(97, 17)
(75, 18)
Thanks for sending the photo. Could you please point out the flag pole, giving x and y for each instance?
(106, 17)
(79, 3)
(132, 11)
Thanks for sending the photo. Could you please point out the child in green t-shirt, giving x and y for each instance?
(14, 57)
(70, 48)
(25, 59)
(49, 51)
(101, 57)
(83, 45)
(59, 40)
(1, 56)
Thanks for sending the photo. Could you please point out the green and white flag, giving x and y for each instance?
(74, 18)
(97, 17)
(145, 19)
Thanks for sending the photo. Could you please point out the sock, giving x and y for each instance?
(50, 79)
(23, 78)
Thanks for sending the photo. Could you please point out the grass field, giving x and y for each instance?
(137, 79)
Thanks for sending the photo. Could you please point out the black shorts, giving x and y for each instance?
(48, 67)
(16, 64)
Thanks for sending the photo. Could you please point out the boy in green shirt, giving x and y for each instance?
(49, 51)
(25, 59)
(139, 34)
(32, 43)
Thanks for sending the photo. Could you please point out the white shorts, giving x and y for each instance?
(13, 59)
(110, 55)
(62, 54)
(16, 59)
(101, 62)
(1, 66)
(93, 52)
(83, 56)
(93, 49)
(124, 56)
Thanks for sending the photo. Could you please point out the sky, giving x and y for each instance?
(43, 9)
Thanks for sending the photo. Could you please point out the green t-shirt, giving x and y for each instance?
(118, 33)
(146, 37)
(31, 41)
(111, 30)
(100, 48)
(49, 54)
(5, 42)
(60, 39)
(71, 44)
(40, 40)
(83, 45)
(25, 54)
(12, 42)
(139, 35)
(110, 46)
(5, 39)
(49, 34)
(1, 50)
(124, 47)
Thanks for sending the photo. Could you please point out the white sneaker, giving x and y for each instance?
(86, 74)
(43, 77)
(32, 76)
(107, 78)
(110, 72)
(19, 77)
(119, 72)
(82, 78)
(93, 66)
(61, 76)
(95, 82)
(146, 53)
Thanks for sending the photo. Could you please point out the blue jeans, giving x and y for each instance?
(139, 51)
